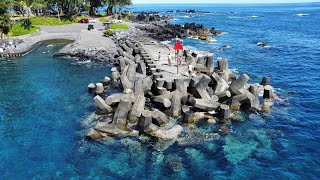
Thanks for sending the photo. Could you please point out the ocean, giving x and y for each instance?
(43, 101)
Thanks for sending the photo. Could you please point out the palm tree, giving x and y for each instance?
(5, 24)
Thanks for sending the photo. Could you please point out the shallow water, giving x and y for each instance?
(43, 101)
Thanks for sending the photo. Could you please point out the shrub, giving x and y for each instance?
(119, 26)
(19, 30)
(126, 19)
(108, 32)
(103, 19)
(26, 23)
(52, 21)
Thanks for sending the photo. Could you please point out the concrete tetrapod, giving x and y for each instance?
(125, 83)
(99, 89)
(237, 86)
(137, 108)
(101, 104)
(158, 117)
(138, 88)
(91, 87)
(162, 100)
(131, 73)
(268, 92)
(142, 69)
(254, 90)
(147, 84)
(200, 90)
(265, 81)
(114, 99)
(205, 104)
(122, 111)
(223, 96)
(106, 81)
(145, 120)
(224, 111)
(220, 84)
(175, 109)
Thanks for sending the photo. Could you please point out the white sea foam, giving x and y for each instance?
(213, 40)
(300, 14)
(84, 62)
(254, 16)
(234, 17)
(166, 42)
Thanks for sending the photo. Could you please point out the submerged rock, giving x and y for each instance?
(264, 150)
(94, 134)
(168, 134)
(215, 32)
(236, 151)
(262, 44)
(175, 163)
(195, 136)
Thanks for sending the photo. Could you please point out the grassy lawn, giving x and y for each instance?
(18, 30)
(119, 26)
(52, 21)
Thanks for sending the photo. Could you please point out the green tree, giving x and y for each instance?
(113, 4)
(4, 6)
(39, 5)
(22, 6)
(94, 4)
(123, 3)
(19, 7)
(5, 24)
(5, 21)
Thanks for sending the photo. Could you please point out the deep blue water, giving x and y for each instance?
(43, 101)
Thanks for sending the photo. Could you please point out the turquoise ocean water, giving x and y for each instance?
(44, 99)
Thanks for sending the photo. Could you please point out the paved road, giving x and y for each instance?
(83, 38)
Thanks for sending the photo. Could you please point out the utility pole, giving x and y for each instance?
(177, 47)
(177, 55)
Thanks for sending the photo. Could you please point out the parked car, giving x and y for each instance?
(92, 20)
(84, 21)
(116, 21)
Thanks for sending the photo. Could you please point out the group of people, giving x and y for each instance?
(191, 72)
(10, 47)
